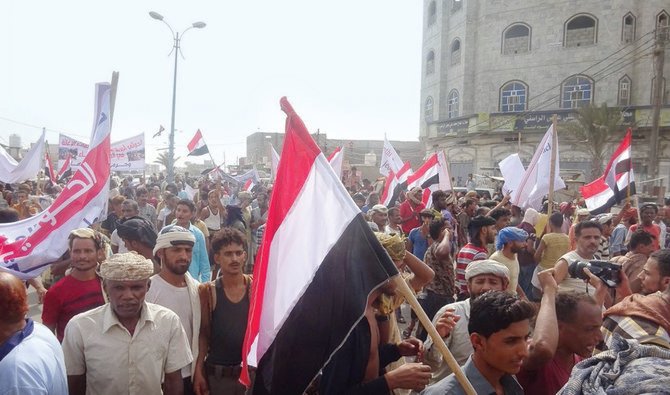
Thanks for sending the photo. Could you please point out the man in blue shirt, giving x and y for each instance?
(199, 268)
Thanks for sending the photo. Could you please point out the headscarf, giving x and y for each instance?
(531, 216)
(173, 235)
(487, 266)
(510, 233)
(129, 266)
(138, 229)
(412, 195)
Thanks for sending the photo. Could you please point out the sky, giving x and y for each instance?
(350, 69)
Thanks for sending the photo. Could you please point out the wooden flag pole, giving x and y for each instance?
(552, 171)
(404, 290)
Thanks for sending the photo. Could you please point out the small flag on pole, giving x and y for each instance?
(160, 130)
(197, 146)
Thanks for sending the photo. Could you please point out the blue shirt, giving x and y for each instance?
(617, 244)
(419, 243)
(449, 384)
(199, 267)
(34, 366)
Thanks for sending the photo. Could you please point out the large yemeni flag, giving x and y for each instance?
(614, 185)
(197, 146)
(28, 246)
(314, 270)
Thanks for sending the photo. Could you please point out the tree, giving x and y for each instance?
(162, 159)
(593, 128)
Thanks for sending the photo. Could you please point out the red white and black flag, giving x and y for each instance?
(65, 171)
(431, 176)
(395, 184)
(48, 166)
(616, 183)
(314, 270)
(197, 146)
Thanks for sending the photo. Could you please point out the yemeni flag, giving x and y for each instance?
(249, 185)
(617, 182)
(314, 270)
(65, 171)
(48, 166)
(431, 176)
(160, 130)
(197, 146)
(394, 185)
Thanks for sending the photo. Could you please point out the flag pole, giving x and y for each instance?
(552, 171)
(404, 290)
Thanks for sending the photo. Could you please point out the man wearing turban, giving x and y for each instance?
(510, 242)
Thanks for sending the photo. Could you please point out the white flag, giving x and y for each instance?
(512, 171)
(535, 182)
(12, 172)
(275, 161)
(443, 171)
(390, 159)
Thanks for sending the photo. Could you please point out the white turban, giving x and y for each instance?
(172, 235)
(487, 266)
(129, 266)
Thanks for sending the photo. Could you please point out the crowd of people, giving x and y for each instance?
(155, 298)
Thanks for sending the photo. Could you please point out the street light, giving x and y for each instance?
(177, 39)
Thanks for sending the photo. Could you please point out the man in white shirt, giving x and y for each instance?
(175, 289)
(127, 346)
(451, 321)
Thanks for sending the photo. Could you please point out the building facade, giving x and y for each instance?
(494, 72)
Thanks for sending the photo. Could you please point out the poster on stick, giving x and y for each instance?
(128, 154)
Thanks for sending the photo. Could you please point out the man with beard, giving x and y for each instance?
(499, 329)
(378, 215)
(482, 231)
(588, 235)
(224, 306)
(199, 268)
(451, 321)
(510, 242)
(655, 275)
(410, 210)
(127, 346)
(80, 290)
(648, 213)
(175, 289)
(394, 220)
(567, 330)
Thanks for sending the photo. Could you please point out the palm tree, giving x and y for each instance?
(162, 159)
(592, 129)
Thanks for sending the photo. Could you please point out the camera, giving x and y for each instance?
(606, 271)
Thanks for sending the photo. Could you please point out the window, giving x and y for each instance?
(576, 91)
(430, 63)
(513, 97)
(628, 28)
(456, 52)
(662, 29)
(516, 39)
(580, 30)
(624, 91)
(456, 5)
(664, 93)
(452, 104)
(432, 13)
(428, 109)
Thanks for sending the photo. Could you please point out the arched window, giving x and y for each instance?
(456, 52)
(428, 109)
(581, 30)
(662, 29)
(576, 91)
(452, 104)
(432, 13)
(456, 5)
(430, 63)
(628, 28)
(516, 39)
(624, 91)
(513, 96)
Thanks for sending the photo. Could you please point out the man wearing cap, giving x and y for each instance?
(605, 221)
(378, 215)
(410, 210)
(509, 243)
(199, 268)
(127, 346)
(139, 235)
(451, 321)
(482, 231)
(78, 291)
(419, 239)
(175, 289)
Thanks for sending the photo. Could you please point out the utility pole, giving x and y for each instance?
(659, 63)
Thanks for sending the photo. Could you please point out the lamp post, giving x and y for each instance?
(177, 40)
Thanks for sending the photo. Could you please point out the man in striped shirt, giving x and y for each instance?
(482, 231)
